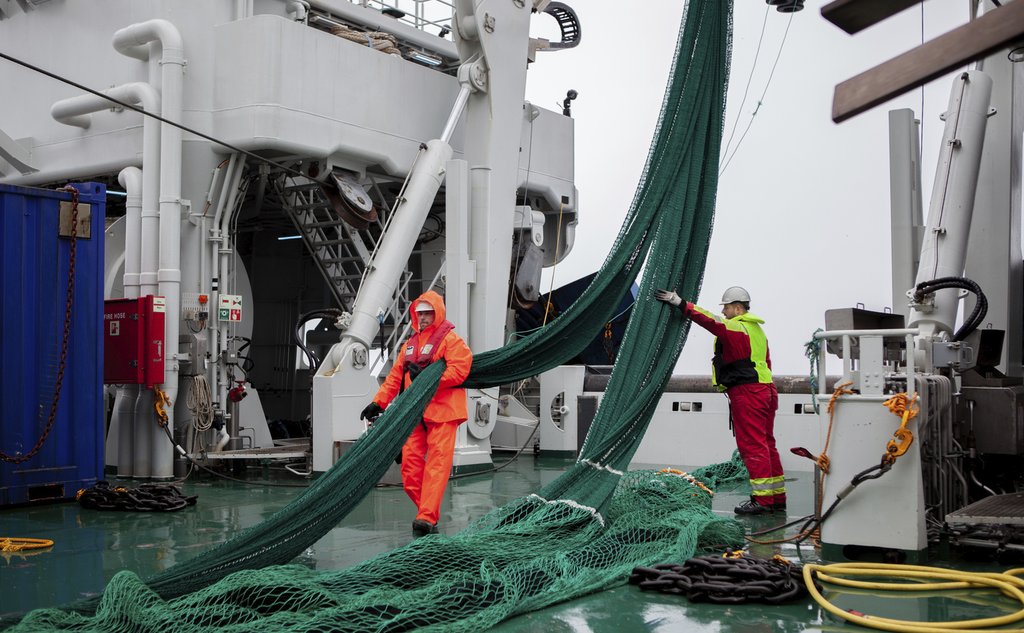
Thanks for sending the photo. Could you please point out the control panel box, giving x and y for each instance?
(133, 337)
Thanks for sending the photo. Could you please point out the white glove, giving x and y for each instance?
(668, 296)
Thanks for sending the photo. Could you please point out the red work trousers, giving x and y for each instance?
(753, 409)
(426, 464)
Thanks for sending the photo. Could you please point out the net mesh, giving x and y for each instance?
(584, 531)
(521, 557)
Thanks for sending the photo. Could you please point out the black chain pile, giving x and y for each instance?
(725, 580)
(145, 498)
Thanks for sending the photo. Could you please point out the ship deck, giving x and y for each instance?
(92, 545)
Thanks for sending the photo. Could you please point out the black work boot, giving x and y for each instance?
(751, 507)
(422, 528)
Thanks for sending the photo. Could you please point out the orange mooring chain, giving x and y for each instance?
(160, 403)
(906, 408)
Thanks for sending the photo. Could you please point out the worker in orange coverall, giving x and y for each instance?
(427, 454)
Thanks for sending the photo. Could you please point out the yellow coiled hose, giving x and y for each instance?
(1006, 582)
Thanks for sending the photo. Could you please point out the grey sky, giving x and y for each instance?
(803, 209)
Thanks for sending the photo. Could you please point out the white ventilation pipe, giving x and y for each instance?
(297, 9)
(122, 420)
(216, 183)
(137, 41)
(143, 435)
(243, 9)
(76, 111)
(224, 252)
(140, 248)
(131, 179)
(219, 274)
(214, 200)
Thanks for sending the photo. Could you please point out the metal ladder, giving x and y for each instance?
(342, 252)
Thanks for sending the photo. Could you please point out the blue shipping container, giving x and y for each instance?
(35, 262)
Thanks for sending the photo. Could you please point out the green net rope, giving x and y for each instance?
(674, 201)
(582, 532)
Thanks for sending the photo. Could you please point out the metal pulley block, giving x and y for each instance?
(482, 423)
(349, 199)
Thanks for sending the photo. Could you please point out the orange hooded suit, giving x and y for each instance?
(428, 453)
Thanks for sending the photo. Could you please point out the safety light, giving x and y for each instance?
(423, 58)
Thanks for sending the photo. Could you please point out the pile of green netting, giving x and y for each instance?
(583, 532)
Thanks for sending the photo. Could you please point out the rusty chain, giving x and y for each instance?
(145, 498)
(19, 459)
(732, 578)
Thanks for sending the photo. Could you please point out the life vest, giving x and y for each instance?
(424, 356)
(743, 371)
(449, 402)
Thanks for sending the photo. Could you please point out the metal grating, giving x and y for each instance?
(1005, 509)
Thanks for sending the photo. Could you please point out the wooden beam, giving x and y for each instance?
(856, 15)
(993, 31)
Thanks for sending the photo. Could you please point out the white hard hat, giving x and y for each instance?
(424, 306)
(735, 294)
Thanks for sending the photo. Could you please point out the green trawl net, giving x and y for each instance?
(585, 531)
(518, 558)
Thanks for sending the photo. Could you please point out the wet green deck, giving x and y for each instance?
(90, 546)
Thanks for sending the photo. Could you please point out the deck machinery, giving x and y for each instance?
(394, 144)
(391, 140)
(953, 471)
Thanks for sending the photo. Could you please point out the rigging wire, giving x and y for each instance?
(145, 112)
(760, 101)
(920, 125)
(750, 79)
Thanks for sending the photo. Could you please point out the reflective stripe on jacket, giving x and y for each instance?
(449, 403)
(741, 347)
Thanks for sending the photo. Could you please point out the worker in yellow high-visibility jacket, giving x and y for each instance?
(742, 368)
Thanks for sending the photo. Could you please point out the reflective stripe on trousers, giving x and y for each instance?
(768, 486)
